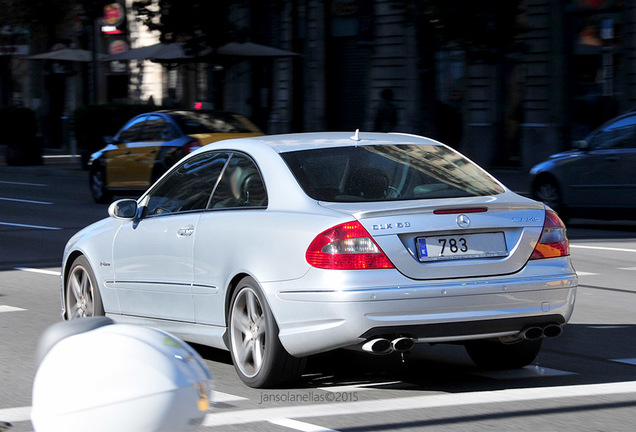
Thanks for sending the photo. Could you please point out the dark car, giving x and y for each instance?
(595, 179)
(151, 143)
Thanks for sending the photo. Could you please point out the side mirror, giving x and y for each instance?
(125, 209)
(581, 145)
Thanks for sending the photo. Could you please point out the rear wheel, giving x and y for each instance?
(494, 354)
(547, 191)
(97, 181)
(259, 358)
(82, 295)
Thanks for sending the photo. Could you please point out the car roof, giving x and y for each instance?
(318, 140)
(192, 111)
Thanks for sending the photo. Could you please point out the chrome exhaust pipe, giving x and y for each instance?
(402, 344)
(532, 333)
(552, 330)
(377, 346)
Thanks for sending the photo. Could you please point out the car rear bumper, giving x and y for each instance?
(314, 320)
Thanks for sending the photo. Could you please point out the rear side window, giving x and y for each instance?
(240, 186)
(188, 187)
(388, 173)
(209, 122)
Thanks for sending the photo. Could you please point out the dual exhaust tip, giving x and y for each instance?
(403, 344)
(538, 332)
(386, 346)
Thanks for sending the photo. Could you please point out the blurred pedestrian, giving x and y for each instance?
(386, 117)
(449, 128)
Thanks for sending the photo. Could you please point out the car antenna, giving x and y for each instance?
(356, 137)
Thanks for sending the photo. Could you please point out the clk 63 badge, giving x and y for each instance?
(388, 226)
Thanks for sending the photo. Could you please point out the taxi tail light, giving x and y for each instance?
(554, 240)
(191, 146)
(347, 246)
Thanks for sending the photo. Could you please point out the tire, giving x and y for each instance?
(82, 298)
(97, 182)
(547, 191)
(258, 356)
(493, 354)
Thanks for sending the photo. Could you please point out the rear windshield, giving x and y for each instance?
(209, 122)
(388, 173)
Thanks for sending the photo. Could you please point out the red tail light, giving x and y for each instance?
(554, 240)
(346, 247)
(191, 146)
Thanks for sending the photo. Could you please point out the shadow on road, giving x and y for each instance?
(584, 354)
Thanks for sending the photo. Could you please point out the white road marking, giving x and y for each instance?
(278, 414)
(417, 403)
(357, 387)
(300, 426)
(630, 361)
(580, 273)
(29, 226)
(607, 327)
(17, 414)
(602, 248)
(5, 308)
(24, 413)
(627, 268)
(525, 372)
(25, 201)
(218, 396)
(23, 184)
(40, 271)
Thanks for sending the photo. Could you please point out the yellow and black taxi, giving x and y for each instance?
(151, 143)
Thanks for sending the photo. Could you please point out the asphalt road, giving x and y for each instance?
(584, 380)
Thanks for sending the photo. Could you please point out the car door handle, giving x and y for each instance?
(185, 231)
(612, 158)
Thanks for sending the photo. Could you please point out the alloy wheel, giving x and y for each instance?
(248, 330)
(79, 297)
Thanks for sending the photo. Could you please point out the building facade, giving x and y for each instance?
(575, 67)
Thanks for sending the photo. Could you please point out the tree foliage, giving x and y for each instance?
(199, 24)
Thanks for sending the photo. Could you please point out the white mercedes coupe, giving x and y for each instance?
(279, 247)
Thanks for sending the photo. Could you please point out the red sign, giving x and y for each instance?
(113, 14)
(117, 47)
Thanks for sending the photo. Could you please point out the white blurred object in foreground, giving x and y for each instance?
(98, 376)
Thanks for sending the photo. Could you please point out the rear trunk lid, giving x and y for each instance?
(465, 237)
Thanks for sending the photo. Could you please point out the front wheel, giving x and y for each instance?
(82, 294)
(97, 182)
(259, 358)
(494, 354)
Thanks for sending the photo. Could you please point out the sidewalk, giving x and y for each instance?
(54, 162)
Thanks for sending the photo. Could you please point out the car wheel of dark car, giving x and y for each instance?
(547, 191)
(82, 295)
(97, 181)
(493, 354)
(259, 358)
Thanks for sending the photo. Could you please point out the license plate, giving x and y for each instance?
(452, 247)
